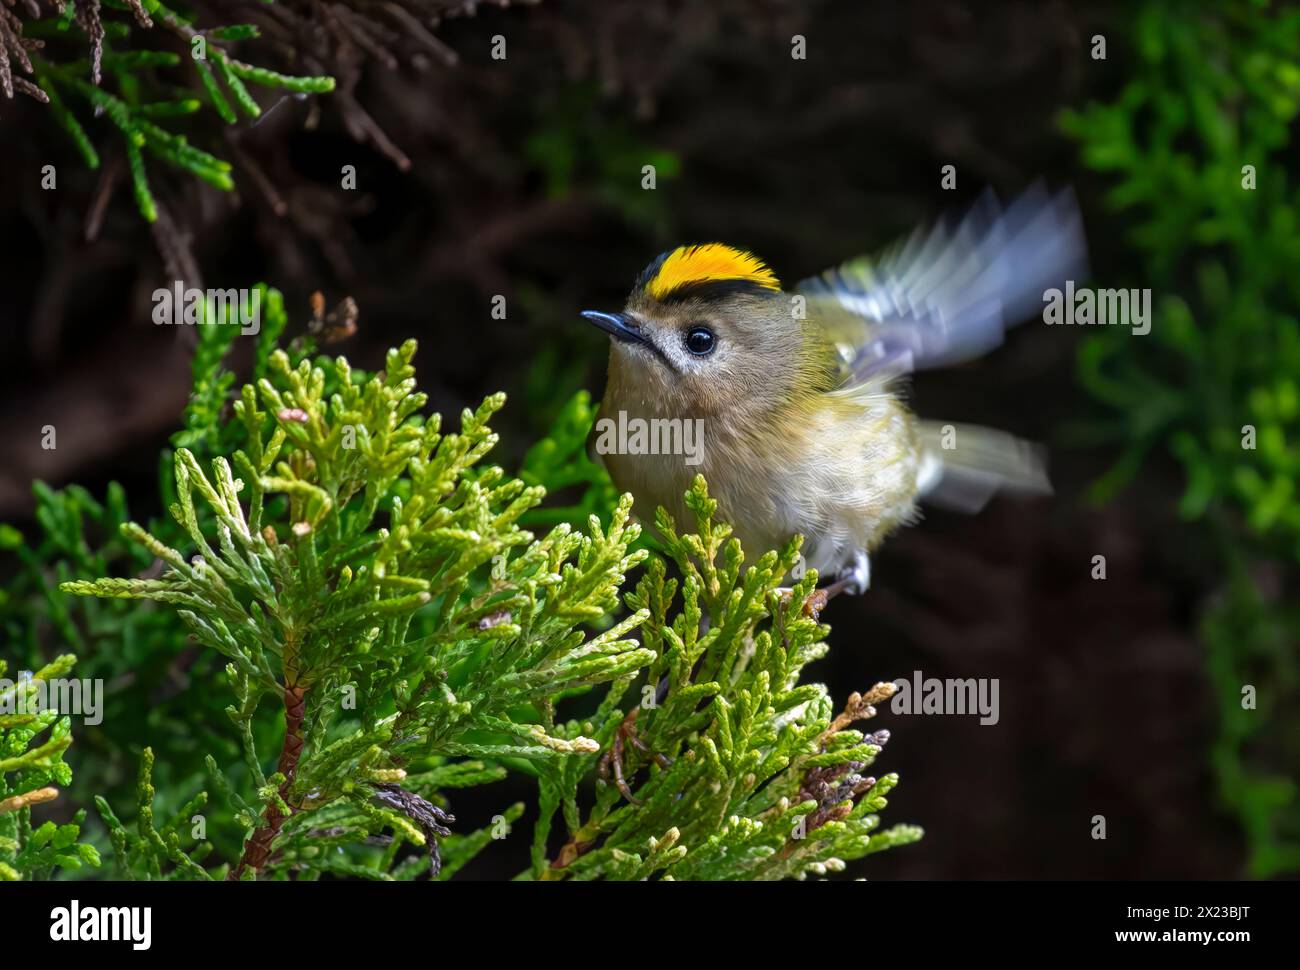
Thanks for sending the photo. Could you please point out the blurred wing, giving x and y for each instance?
(948, 293)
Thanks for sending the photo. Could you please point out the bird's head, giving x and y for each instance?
(706, 330)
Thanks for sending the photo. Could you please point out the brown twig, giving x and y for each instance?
(258, 848)
(28, 799)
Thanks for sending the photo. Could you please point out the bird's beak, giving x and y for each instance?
(617, 325)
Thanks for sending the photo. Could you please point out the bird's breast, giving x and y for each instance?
(843, 475)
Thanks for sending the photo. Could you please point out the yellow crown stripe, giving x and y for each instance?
(708, 263)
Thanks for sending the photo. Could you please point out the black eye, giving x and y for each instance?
(699, 341)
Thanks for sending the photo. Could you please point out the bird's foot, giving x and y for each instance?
(854, 579)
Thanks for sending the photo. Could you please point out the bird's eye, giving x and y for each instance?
(700, 341)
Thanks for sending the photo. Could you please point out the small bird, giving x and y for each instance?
(799, 395)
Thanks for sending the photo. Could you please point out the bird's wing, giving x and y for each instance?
(947, 294)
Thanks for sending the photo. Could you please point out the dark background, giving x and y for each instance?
(522, 178)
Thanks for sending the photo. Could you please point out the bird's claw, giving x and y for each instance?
(854, 579)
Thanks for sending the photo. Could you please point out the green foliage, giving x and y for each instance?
(33, 740)
(1221, 365)
(153, 677)
(307, 591)
(141, 95)
(141, 854)
(1224, 353)
(139, 656)
(748, 775)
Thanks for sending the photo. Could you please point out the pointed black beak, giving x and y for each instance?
(617, 325)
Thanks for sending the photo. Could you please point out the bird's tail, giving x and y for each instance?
(964, 465)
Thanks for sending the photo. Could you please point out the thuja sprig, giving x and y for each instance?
(360, 568)
(33, 741)
(135, 105)
(142, 854)
(728, 767)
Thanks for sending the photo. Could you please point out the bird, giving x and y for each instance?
(800, 396)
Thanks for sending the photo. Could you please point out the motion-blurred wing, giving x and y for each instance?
(948, 293)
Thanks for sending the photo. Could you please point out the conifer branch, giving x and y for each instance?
(330, 43)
